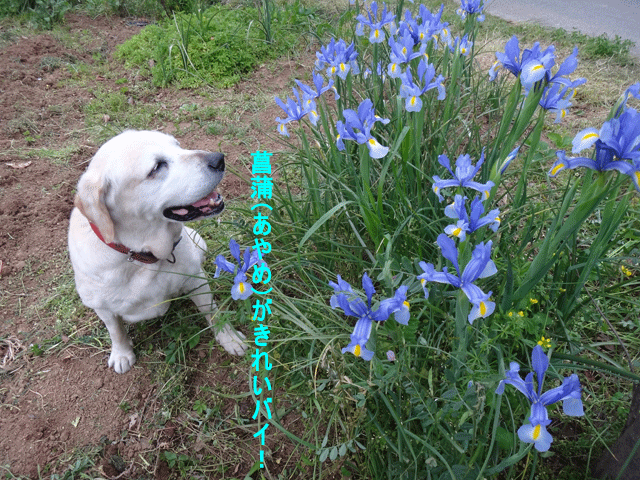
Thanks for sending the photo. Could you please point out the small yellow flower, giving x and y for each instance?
(545, 342)
(510, 314)
(626, 271)
(533, 301)
(521, 313)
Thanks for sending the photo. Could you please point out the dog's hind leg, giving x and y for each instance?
(227, 336)
(122, 357)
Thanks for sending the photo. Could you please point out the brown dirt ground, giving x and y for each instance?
(67, 401)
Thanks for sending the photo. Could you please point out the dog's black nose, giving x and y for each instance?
(215, 161)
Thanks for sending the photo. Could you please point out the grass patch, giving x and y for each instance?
(216, 46)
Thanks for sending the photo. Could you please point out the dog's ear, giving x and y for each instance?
(90, 200)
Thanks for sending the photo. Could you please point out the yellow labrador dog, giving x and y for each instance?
(129, 248)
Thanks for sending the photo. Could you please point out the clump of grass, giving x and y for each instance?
(216, 46)
(603, 46)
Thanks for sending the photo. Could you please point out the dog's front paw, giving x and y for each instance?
(232, 340)
(122, 360)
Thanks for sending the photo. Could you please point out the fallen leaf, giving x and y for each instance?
(133, 420)
(18, 165)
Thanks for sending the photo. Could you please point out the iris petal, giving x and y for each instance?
(585, 139)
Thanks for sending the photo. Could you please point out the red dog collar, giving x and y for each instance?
(144, 257)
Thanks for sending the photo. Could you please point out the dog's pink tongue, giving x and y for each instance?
(206, 200)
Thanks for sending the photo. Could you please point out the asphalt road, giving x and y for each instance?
(611, 17)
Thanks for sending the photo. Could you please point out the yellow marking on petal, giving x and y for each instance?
(486, 194)
(404, 50)
(557, 168)
(333, 69)
(637, 175)
(497, 219)
(241, 287)
(413, 101)
(590, 135)
(483, 309)
(338, 137)
(463, 50)
(563, 113)
(376, 33)
(423, 282)
(356, 350)
(457, 232)
(536, 432)
(406, 304)
(537, 67)
(373, 142)
(421, 36)
(393, 68)
(342, 67)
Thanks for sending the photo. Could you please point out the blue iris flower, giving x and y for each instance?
(535, 65)
(480, 266)
(469, 222)
(461, 46)
(412, 91)
(296, 110)
(472, 7)
(377, 34)
(618, 140)
(424, 26)
(241, 289)
(509, 59)
(462, 177)
(528, 65)
(555, 98)
(318, 84)
(569, 392)
(357, 127)
(353, 306)
(338, 59)
(402, 52)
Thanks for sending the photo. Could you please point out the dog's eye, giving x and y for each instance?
(160, 164)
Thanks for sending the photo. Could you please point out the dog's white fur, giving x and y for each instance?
(130, 181)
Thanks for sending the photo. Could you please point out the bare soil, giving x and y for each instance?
(62, 403)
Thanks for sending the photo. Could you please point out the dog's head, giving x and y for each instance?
(140, 185)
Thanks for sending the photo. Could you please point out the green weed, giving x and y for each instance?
(215, 46)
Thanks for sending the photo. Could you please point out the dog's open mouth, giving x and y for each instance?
(212, 204)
